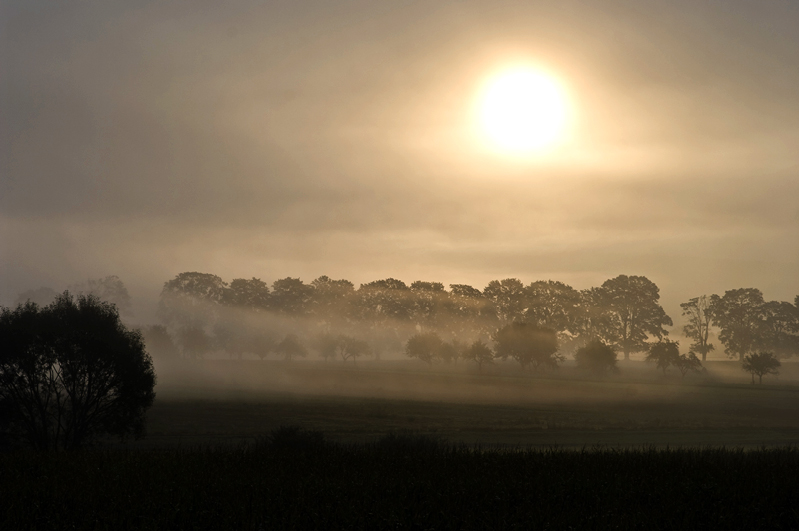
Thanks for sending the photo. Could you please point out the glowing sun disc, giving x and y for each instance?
(523, 110)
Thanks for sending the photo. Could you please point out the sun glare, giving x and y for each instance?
(523, 111)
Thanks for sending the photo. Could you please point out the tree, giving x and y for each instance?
(780, 331)
(291, 347)
(739, 315)
(382, 300)
(260, 343)
(688, 363)
(470, 313)
(697, 329)
(479, 353)
(159, 343)
(291, 296)
(332, 299)
(327, 346)
(424, 347)
(761, 364)
(528, 344)
(633, 304)
(191, 300)
(664, 353)
(596, 357)
(252, 294)
(72, 371)
(110, 289)
(555, 305)
(428, 301)
(194, 342)
(450, 351)
(509, 298)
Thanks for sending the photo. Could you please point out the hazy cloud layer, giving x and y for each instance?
(283, 138)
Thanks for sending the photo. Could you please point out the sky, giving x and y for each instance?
(280, 138)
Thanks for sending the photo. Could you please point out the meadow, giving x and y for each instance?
(234, 401)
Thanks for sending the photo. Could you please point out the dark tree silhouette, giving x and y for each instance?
(697, 329)
(554, 305)
(190, 300)
(350, 348)
(595, 320)
(424, 347)
(739, 315)
(252, 294)
(688, 363)
(291, 347)
(780, 333)
(384, 300)
(479, 353)
(470, 313)
(290, 296)
(509, 298)
(633, 303)
(528, 344)
(761, 364)
(332, 300)
(428, 303)
(664, 353)
(596, 357)
(71, 371)
(159, 343)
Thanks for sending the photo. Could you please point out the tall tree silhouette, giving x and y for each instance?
(739, 315)
(633, 304)
(699, 317)
(252, 294)
(290, 296)
(509, 298)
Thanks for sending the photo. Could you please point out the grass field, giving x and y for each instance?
(231, 401)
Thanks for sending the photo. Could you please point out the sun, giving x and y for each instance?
(523, 110)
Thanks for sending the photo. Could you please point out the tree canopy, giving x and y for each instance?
(71, 371)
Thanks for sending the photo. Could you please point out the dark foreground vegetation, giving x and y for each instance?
(294, 479)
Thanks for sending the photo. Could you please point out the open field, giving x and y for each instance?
(232, 401)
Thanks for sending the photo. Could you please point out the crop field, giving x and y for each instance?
(296, 480)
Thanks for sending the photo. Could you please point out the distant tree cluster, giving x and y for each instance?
(623, 312)
(203, 313)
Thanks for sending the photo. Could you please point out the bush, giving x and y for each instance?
(596, 357)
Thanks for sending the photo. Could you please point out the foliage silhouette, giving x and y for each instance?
(761, 364)
(596, 357)
(633, 304)
(528, 344)
(70, 372)
(700, 317)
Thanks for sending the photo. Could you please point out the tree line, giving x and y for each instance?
(205, 313)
